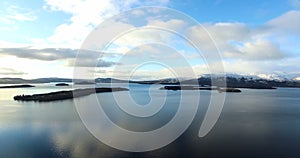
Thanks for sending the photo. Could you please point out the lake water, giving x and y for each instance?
(254, 123)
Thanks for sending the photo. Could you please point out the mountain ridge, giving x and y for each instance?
(231, 80)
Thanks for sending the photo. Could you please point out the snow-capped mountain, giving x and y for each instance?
(280, 76)
(297, 79)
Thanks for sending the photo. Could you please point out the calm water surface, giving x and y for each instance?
(254, 123)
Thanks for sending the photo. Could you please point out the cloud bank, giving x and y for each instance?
(269, 47)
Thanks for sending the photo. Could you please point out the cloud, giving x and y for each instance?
(90, 62)
(86, 15)
(220, 35)
(173, 24)
(6, 44)
(238, 40)
(46, 54)
(157, 51)
(10, 71)
(13, 14)
(257, 50)
(223, 32)
(287, 23)
(239, 66)
(245, 48)
(85, 58)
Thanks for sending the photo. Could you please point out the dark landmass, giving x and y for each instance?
(18, 86)
(187, 88)
(62, 84)
(26, 81)
(174, 88)
(62, 95)
(232, 82)
(84, 82)
(217, 81)
(234, 90)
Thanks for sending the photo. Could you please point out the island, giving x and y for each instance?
(234, 90)
(62, 84)
(18, 86)
(62, 95)
(224, 89)
(187, 88)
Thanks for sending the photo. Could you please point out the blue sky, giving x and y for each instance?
(252, 12)
(40, 38)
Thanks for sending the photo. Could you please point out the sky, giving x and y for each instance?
(51, 38)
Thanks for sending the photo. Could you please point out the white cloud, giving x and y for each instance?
(257, 50)
(220, 33)
(226, 32)
(86, 15)
(89, 62)
(245, 48)
(287, 23)
(46, 54)
(21, 17)
(284, 67)
(13, 14)
(5, 44)
(173, 24)
(10, 71)
(238, 40)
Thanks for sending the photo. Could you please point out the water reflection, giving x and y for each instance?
(254, 123)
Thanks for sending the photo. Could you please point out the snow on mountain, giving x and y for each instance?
(280, 76)
(297, 79)
(272, 77)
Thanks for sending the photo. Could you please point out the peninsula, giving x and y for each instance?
(18, 86)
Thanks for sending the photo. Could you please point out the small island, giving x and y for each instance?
(226, 89)
(18, 86)
(62, 84)
(187, 88)
(62, 95)
(233, 90)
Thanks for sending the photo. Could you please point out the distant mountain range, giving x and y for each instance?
(274, 76)
(39, 80)
(232, 80)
